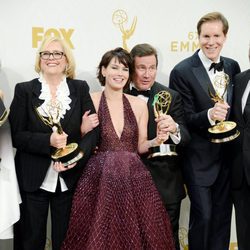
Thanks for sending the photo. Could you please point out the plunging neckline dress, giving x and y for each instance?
(116, 204)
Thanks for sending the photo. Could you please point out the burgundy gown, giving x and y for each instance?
(116, 204)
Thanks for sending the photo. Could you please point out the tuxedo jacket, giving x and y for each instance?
(240, 156)
(166, 171)
(31, 137)
(202, 158)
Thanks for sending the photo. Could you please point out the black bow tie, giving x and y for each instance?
(136, 92)
(217, 66)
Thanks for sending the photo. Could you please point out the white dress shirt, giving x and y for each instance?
(62, 96)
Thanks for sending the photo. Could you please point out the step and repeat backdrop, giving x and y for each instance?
(92, 27)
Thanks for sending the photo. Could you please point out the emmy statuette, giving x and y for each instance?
(3, 113)
(161, 104)
(71, 153)
(222, 131)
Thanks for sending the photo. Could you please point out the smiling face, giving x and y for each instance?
(52, 66)
(116, 74)
(212, 39)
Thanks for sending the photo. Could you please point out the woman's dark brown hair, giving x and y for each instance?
(121, 55)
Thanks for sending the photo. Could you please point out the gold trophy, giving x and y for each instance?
(161, 104)
(50, 117)
(3, 113)
(223, 131)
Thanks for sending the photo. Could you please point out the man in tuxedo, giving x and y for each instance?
(204, 170)
(240, 158)
(165, 169)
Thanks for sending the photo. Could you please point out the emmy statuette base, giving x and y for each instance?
(162, 150)
(223, 132)
(68, 155)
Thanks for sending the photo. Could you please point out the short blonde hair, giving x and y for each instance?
(70, 69)
(213, 16)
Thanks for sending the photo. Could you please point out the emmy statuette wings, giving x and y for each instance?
(222, 131)
(161, 104)
(71, 153)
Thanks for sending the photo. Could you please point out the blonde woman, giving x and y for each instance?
(42, 182)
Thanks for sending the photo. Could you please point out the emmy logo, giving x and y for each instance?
(50, 116)
(161, 104)
(223, 131)
(119, 18)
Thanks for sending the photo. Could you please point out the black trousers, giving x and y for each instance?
(241, 200)
(168, 181)
(210, 214)
(31, 230)
(174, 215)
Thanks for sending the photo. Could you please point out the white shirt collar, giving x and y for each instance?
(62, 96)
(205, 61)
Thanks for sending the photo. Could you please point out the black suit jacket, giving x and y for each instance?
(202, 158)
(31, 137)
(166, 171)
(240, 156)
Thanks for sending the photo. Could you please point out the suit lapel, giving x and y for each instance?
(201, 75)
(230, 84)
(241, 90)
(150, 106)
(237, 110)
(151, 117)
(36, 102)
(36, 91)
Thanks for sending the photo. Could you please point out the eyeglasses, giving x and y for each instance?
(45, 55)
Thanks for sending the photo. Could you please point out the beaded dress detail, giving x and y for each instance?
(116, 204)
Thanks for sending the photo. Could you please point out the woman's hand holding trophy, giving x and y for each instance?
(65, 155)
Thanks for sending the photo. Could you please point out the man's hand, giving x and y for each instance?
(219, 111)
(165, 123)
